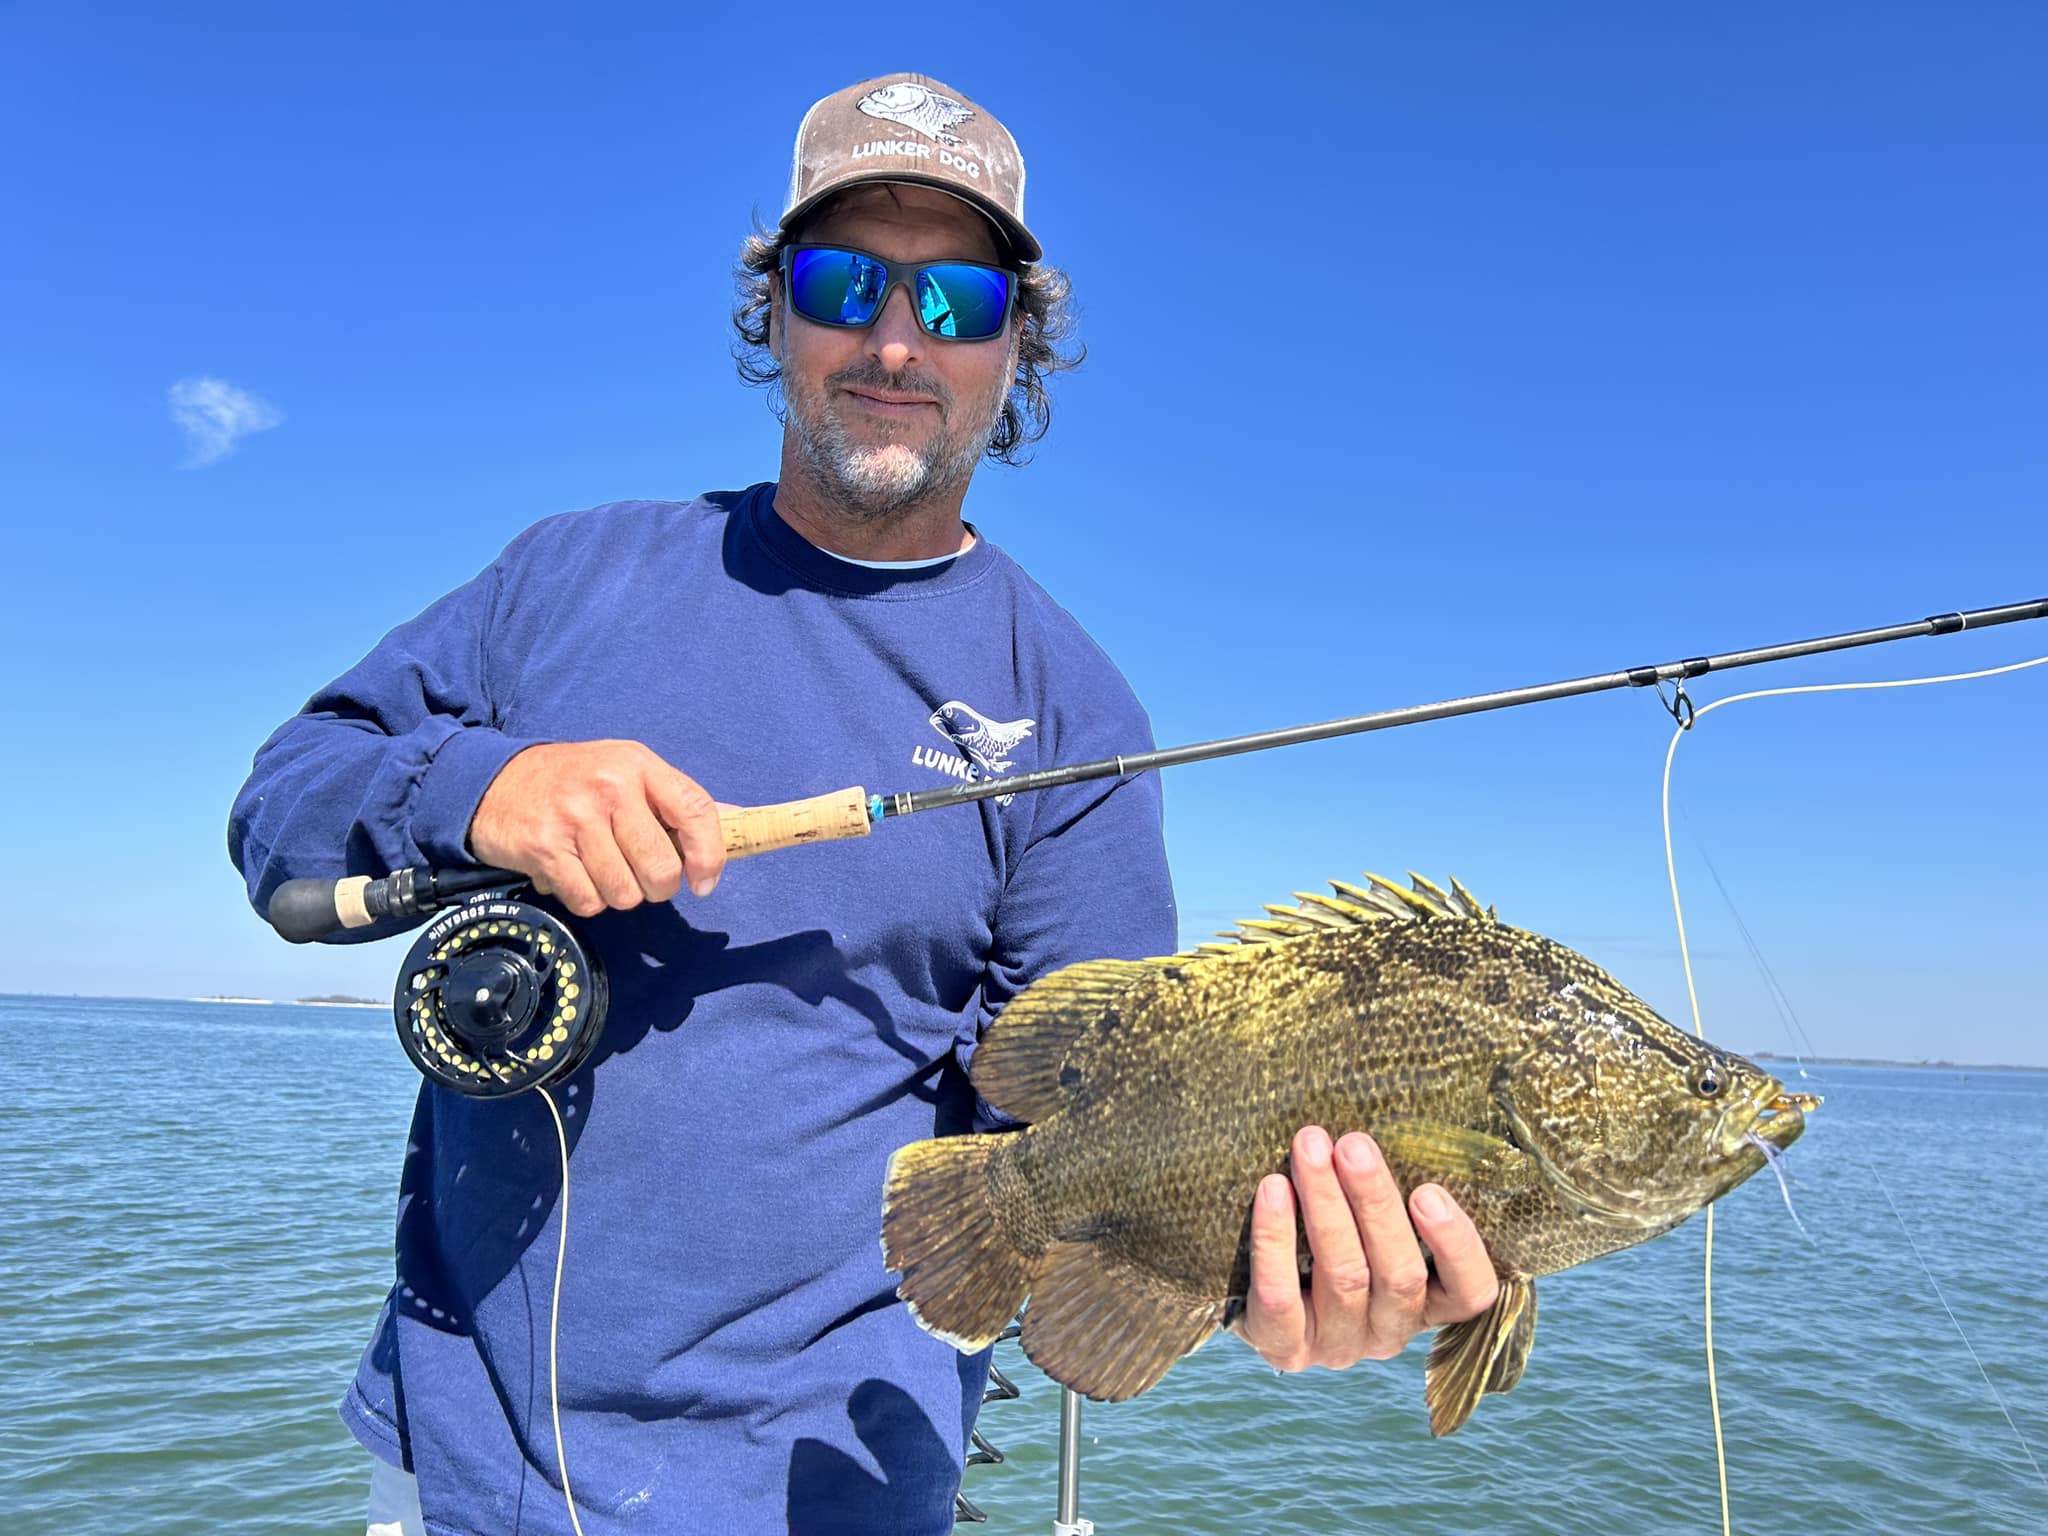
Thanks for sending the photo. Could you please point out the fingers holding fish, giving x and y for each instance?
(1275, 1317)
(1343, 1277)
(1394, 1301)
(1369, 1289)
(1369, 1283)
(1465, 1283)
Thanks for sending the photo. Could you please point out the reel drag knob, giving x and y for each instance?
(489, 996)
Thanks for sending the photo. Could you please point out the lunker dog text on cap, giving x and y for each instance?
(910, 128)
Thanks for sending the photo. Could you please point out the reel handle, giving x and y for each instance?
(821, 819)
(304, 910)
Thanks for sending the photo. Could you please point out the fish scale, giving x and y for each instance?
(1563, 1114)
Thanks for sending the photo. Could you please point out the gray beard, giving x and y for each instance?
(872, 483)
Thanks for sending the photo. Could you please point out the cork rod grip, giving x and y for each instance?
(822, 818)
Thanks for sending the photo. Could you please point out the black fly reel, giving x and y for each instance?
(498, 996)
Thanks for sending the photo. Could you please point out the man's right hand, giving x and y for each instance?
(600, 824)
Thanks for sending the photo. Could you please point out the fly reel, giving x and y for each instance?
(498, 996)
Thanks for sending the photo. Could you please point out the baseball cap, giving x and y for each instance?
(910, 128)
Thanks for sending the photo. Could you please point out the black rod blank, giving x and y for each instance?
(1633, 677)
(308, 909)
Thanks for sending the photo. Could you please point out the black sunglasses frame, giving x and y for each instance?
(902, 274)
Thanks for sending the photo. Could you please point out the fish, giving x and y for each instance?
(1561, 1111)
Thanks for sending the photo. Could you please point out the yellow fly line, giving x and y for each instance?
(1692, 997)
(555, 1311)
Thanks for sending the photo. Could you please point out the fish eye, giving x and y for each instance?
(1708, 1083)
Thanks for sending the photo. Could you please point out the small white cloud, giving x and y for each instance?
(216, 416)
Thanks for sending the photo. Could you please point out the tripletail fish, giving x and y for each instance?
(1565, 1116)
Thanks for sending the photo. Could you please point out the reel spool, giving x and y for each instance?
(498, 996)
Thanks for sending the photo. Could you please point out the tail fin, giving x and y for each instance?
(962, 1275)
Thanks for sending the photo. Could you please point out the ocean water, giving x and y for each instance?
(195, 1209)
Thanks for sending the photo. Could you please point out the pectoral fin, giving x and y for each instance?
(1484, 1355)
(1441, 1151)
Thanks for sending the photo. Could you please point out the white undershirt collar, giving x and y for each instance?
(898, 565)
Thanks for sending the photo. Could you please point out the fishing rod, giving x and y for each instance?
(499, 995)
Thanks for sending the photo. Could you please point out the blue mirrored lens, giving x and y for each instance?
(836, 287)
(954, 299)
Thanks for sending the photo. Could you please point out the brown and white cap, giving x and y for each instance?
(910, 128)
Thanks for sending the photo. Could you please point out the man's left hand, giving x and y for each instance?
(1370, 1290)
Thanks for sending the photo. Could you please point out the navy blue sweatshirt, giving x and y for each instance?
(733, 1357)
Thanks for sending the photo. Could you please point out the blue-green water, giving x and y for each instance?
(195, 1205)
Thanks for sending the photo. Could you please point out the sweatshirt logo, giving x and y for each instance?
(987, 746)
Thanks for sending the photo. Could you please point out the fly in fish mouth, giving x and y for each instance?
(1781, 1121)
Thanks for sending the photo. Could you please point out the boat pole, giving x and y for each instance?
(1068, 1521)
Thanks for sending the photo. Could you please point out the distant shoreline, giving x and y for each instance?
(344, 1001)
(1880, 1061)
(271, 1002)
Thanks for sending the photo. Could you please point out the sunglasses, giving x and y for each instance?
(953, 300)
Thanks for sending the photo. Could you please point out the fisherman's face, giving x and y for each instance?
(888, 416)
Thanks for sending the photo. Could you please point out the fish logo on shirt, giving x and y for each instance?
(989, 742)
(919, 108)
(984, 746)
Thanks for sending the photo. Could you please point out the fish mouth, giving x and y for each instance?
(1781, 1121)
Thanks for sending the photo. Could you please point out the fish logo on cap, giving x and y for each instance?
(919, 108)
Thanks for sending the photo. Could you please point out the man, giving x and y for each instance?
(731, 1354)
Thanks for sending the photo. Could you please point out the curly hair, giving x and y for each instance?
(1046, 321)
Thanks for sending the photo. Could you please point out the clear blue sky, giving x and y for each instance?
(1433, 349)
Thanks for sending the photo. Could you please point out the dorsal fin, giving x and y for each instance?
(1470, 903)
(1378, 901)
(1017, 1067)
(1429, 888)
